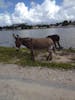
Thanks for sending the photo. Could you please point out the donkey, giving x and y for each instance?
(35, 44)
(56, 40)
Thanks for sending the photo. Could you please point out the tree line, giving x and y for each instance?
(26, 26)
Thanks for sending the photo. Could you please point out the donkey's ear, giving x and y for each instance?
(17, 36)
(14, 36)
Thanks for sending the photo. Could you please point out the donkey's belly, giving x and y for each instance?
(40, 47)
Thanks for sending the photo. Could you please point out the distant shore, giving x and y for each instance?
(21, 26)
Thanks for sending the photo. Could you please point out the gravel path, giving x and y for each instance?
(32, 83)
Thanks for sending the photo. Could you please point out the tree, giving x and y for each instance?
(0, 28)
(65, 23)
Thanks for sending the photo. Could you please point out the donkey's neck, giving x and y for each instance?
(26, 42)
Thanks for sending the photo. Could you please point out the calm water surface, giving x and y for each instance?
(67, 35)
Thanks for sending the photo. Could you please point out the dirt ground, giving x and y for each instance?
(59, 57)
(33, 83)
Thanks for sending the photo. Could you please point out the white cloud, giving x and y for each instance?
(21, 13)
(38, 13)
(47, 12)
(5, 19)
(69, 2)
(68, 9)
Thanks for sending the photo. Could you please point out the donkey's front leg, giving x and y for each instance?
(32, 55)
(49, 57)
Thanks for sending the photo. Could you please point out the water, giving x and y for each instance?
(67, 35)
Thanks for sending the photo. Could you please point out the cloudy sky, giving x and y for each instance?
(36, 11)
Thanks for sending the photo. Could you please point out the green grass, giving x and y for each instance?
(23, 58)
(70, 50)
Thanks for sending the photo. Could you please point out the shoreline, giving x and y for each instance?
(69, 26)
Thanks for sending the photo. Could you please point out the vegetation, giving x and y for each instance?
(26, 26)
(23, 58)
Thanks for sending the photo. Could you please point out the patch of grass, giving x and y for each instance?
(23, 58)
(9, 54)
(70, 50)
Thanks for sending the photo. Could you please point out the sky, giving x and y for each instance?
(36, 11)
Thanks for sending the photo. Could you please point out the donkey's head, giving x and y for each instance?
(17, 41)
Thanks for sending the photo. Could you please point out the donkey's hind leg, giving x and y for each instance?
(49, 57)
(59, 46)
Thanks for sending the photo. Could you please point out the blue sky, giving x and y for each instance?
(36, 11)
(11, 4)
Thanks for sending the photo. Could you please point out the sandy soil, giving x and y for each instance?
(59, 56)
(18, 83)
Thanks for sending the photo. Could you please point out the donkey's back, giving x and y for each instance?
(41, 43)
(54, 37)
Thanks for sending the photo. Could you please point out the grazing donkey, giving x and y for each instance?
(56, 40)
(35, 43)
